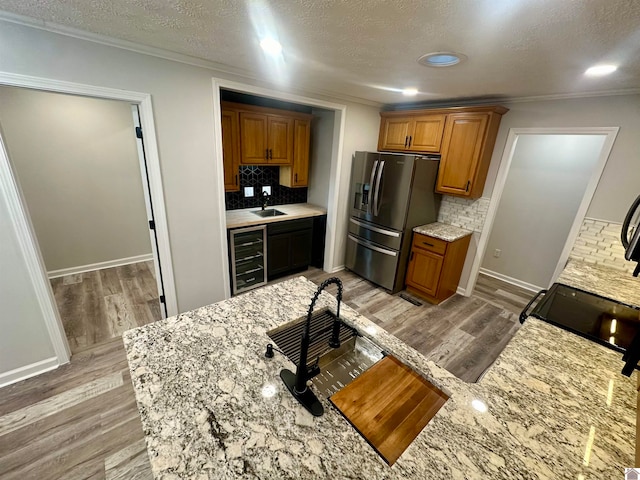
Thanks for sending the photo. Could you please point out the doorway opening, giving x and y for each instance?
(544, 186)
(76, 157)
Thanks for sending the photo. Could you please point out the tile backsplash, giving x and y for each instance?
(599, 242)
(258, 177)
(463, 212)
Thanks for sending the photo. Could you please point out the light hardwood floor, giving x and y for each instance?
(81, 421)
(100, 305)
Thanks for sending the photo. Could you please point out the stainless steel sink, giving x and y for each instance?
(269, 212)
(339, 366)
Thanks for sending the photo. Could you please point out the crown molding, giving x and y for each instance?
(217, 68)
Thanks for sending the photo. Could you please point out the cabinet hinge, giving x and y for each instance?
(152, 225)
(139, 132)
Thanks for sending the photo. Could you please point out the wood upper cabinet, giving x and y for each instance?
(467, 147)
(411, 133)
(464, 136)
(297, 175)
(230, 150)
(265, 139)
(435, 266)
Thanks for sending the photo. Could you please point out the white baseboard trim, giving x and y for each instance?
(99, 266)
(461, 291)
(513, 281)
(337, 269)
(28, 371)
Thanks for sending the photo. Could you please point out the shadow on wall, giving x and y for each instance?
(257, 177)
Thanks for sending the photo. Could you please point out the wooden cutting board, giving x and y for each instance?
(389, 405)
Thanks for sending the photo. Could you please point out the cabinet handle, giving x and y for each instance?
(270, 154)
(406, 139)
(468, 184)
(296, 176)
(410, 137)
(427, 244)
(266, 154)
(236, 179)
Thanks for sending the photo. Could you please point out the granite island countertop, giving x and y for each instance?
(245, 218)
(212, 406)
(602, 280)
(442, 231)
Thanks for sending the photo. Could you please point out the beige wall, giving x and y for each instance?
(320, 158)
(78, 167)
(620, 181)
(24, 339)
(182, 98)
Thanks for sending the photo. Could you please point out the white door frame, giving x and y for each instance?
(334, 175)
(501, 179)
(22, 222)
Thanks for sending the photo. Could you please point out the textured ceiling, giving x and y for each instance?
(357, 48)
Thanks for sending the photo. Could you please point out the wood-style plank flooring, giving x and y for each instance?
(99, 305)
(81, 421)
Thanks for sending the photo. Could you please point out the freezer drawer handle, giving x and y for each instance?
(391, 253)
(524, 314)
(375, 229)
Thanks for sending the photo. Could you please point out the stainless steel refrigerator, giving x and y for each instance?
(390, 194)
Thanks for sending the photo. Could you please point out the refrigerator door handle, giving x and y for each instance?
(371, 188)
(391, 253)
(388, 233)
(376, 195)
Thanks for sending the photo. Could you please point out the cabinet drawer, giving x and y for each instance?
(430, 244)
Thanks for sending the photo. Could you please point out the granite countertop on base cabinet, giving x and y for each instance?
(213, 407)
(442, 231)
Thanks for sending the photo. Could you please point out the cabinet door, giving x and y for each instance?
(394, 133)
(424, 271)
(278, 254)
(302, 131)
(280, 140)
(301, 244)
(462, 146)
(253, 138)
(426, 135)
(230, 152)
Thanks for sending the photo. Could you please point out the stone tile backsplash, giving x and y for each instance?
(464, 213)
(599, 242)
(257, 177)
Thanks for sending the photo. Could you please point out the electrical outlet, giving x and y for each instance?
(267, 189)
(248, 191)
(497, 252)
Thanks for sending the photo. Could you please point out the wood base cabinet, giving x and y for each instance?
(435, 267)
(289, 246)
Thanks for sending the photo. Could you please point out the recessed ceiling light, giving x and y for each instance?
(271, 46)
(598, 70)
(441, 59)
(410, 92)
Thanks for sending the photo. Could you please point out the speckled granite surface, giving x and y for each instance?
(245, 216)
(212, 406)
(608, 282)
(443, 231)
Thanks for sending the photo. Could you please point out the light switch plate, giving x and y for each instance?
(248, 191)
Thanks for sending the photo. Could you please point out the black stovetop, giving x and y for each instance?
(600, 319)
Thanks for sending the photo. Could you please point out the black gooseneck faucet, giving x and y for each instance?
(297, 383)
